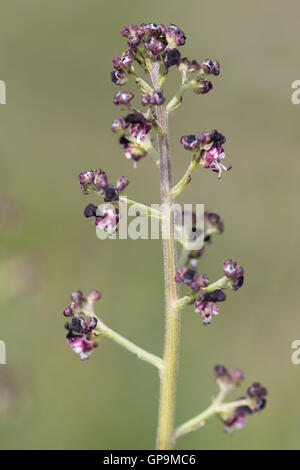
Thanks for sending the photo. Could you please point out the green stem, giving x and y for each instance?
(143, 86)
(215, 408)
(176, 100)
(185, 179)
(104, 330)
(172, 318)
(142, 208)
(188, 299)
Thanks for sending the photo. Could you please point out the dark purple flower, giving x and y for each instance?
(81, 345)
(123, 97)
(119, 124)
(209, 66)
(256, 390)
(154, 46)
(90, 211)
(100, 180)
(190, 142)
(234, 272)
(118, 77)
(77, 295)
(122, 183)
(110, 193)
(237, 419)
(202, 86)
(171, 57)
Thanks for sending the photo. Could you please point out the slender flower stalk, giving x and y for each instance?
(172, 318)
(142, 209)
(104, 330)
(186, 179)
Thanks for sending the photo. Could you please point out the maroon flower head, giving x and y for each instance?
(171, 57)
(118, 77)
(190, 142)
(122, 183)
(202, 86)
(123, 97)
(234, 272)
(119, 125)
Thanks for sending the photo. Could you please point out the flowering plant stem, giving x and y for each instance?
(185, 179)
(172, 317)
(104, 330)
(217, 407)
(145, 210)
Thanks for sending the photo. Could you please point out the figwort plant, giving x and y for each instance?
(154, 47)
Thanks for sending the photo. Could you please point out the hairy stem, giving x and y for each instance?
(142, 208)
(133, 348)
(172, 318)
(185, 180)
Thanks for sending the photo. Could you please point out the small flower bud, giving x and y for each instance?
(157, 98)
(221, 372)
(100, 179)
(76, 325)
(203, 86)
(68, 312)
(119, 124)
(256, 390)
(90, 211)
(204, 138)
(89, 324)
(118, 77)
(110, 193)
(207, 66)
(171, 57)
(237, 376)
(230, 268)
(94, 295)
(146, 98)
(86, 177)
(154, 45)
(235, 273)
(77, 295)
(175, 36)
(212, 223)
(190, 142)
(76, 305)
(216, 69)
(122, 183)
(123, 97)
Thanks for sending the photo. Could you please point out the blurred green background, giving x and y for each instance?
(55, 58)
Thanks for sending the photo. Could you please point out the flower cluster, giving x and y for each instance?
(234, 273)
(134, 128)
(235, 418)
(208, 149)
(81, 328)
(207, 298)
(107, 215)
(97, 181)
(150, 41)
